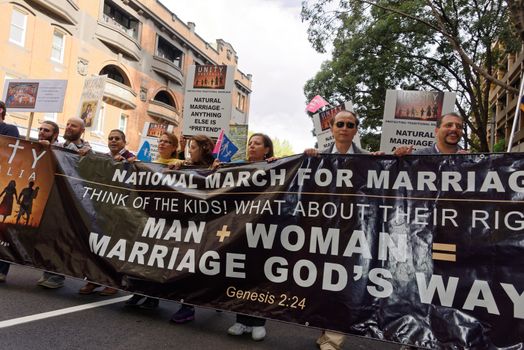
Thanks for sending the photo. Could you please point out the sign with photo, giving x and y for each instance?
(208, 100)
(410, 117)
(23, 95)
(91, 98)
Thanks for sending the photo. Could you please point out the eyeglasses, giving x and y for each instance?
(350, 125)
(114, 138)
(164, 141)
(44, 129)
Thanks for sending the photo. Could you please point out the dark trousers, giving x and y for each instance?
(4, 267)
(251, 321)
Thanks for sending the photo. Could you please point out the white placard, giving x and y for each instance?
(410, 117)
(25, 95)
(208, 100)
(91, 98)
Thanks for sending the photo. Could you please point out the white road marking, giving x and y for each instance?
(67, 310)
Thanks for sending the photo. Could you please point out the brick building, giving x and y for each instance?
(143, 47)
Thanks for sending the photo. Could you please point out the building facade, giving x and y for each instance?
(144, 49)
(503, 103)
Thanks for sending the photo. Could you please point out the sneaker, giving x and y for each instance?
(185, 314)
(134, 300)
(53, 282)
(238, 329)
(258, 333)
(2, 277)
(150, 304)
(89, 288)
(107, 291)
(42, 279)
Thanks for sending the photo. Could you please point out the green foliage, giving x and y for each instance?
(500, 146)
(282, 148)
(408, 45)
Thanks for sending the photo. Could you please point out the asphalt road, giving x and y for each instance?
(114, 326)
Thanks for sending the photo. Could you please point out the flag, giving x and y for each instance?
(316, 103)
(224, 149)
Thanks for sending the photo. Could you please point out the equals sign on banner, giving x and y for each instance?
(443, 251)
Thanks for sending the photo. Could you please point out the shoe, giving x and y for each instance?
(42, 279)
(184, 314)
(52, 282)
(89, 288)
(238, 329)
(258, 333)
(150, 304)
(2, 277)
(107, 291)
(134, 300)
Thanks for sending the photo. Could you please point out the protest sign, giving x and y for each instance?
(208, 100)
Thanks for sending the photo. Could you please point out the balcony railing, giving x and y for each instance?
(132, 32)
(118, 39)
(157, 109)
(119, 94)
(167, 69)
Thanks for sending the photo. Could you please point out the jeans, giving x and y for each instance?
(4, 267)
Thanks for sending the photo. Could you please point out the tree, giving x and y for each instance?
(516, 8)
(282, 148)
(445, 45)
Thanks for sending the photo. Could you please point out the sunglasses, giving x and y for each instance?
(115, 138)
(44, 129)
(350, 125)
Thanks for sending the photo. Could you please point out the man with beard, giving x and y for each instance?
(74, 129)
(448, 132)
(48, 135)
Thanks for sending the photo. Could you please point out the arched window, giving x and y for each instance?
(164, 97)
(115, 73)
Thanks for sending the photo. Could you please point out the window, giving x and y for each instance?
(98, 123)
(115, 74)
(18, 27)
(122, 124)
(163, 96)
(168, 51)
(120, 19)
(241, 101)
(57, 49)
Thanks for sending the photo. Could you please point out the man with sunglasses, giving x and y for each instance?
(116, 142)
(343, 128)
(48, 133)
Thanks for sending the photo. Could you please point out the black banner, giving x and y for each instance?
(422, 250)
